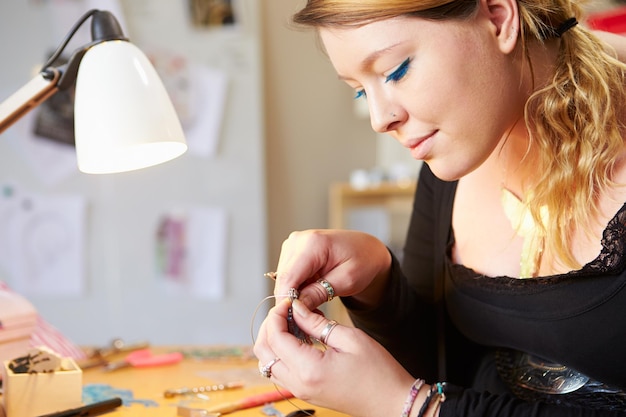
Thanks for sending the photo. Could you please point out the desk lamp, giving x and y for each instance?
(123, 117)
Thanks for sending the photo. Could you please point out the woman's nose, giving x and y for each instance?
(383, 119)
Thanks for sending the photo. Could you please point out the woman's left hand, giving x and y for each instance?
(354, 374)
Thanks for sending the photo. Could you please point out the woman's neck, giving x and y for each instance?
(515, 155)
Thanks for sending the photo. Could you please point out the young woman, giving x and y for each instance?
(513, 283)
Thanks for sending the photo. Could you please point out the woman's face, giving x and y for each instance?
(447, 91)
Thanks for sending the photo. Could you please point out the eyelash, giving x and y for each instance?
(360, 94)
(400, 72)
(394, 77)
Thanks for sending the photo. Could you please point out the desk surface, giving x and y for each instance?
(148, 385)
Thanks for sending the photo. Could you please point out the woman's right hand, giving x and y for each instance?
(354, 263)
(354, 374)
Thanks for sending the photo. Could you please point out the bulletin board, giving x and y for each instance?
(170, 254)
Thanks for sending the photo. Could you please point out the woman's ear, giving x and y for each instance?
(503, 18)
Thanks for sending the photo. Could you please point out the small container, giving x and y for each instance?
(36, 394)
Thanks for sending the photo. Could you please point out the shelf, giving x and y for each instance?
(383, 211)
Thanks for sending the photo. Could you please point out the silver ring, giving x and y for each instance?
(392, 114)
(326, 332)
(266, 370)
(329, 288)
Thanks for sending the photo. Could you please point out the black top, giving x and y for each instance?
(445, 322)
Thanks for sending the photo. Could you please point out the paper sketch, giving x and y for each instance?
(43, 237)
(190, 252)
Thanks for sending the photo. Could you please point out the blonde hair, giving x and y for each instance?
(574, 121)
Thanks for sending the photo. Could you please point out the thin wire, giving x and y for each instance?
(256, 310)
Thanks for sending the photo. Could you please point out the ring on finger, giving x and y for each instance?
(266, 370)
(326, 332)
(330, 291)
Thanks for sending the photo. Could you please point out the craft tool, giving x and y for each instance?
(198, 390)
(89, 409)
(144, 358)
(245, 403)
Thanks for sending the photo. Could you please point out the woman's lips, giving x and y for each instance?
(420, 147)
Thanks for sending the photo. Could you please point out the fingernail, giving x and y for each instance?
(300, 308)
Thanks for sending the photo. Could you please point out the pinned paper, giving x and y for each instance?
(203, 132)
(43, 242)
(198, 94)
(191, 252)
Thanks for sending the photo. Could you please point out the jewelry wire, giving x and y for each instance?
(254, 314)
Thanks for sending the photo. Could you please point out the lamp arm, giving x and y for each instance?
(39, 89)
(28, 97)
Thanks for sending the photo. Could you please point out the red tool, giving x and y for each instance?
(254, 400)
(143, 358)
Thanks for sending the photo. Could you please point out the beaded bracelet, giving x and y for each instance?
(408, 404)
(429, 397)
(441, 396)
(435, 392)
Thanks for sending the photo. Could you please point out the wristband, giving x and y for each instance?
(410, 400)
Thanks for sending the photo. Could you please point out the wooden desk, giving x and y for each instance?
(151, 383)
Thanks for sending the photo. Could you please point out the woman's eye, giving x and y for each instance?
(399, 72)
(360, 94)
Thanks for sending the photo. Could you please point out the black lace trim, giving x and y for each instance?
(612, 258)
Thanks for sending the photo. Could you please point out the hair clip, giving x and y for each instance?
(557, 32)
(565, 26)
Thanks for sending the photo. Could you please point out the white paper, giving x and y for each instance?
(210, 88)
(190, 249)
(43, 237)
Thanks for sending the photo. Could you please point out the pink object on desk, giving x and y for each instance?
(21, 327)
(18, 321)
(143, 358)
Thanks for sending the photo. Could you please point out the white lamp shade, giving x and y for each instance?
(123, 117)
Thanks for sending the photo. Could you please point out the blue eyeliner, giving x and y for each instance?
(399, 72)
(395, 76)
(360, 94)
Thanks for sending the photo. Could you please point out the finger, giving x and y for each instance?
(283, 344)
(275, 321)
(277, 327)
(274, 324)
(265, 368)
(317, 293)
(301, 260)
(317, 325)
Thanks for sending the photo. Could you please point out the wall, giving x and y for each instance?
(313, 134)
